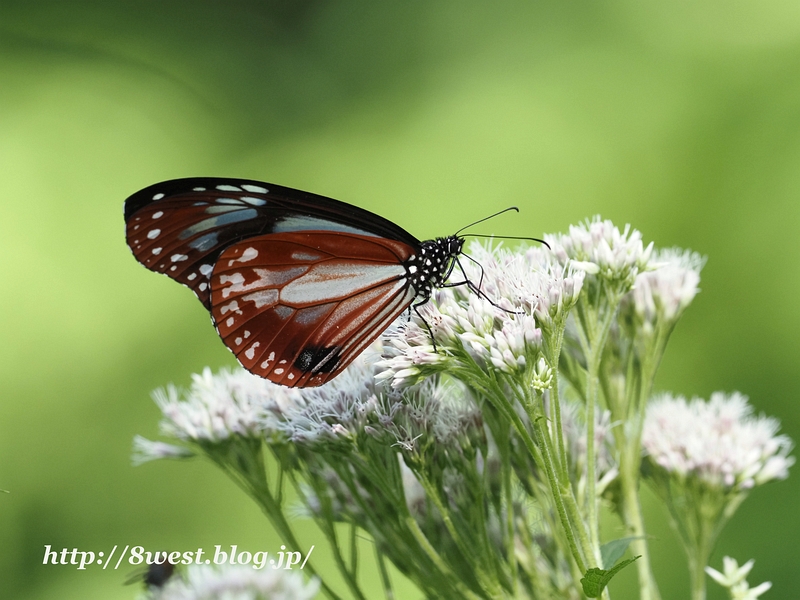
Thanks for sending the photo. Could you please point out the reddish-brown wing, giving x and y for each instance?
(297, 308)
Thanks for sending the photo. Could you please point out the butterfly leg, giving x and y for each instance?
(480, 266)
(419, 314)
(477, 289)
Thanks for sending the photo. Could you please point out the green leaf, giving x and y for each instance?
(595, 580)
(613, 550)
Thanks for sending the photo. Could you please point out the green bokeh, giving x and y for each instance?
(681, 118)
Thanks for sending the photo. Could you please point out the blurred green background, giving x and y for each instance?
(681, 118)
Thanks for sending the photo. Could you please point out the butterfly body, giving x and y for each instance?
(297, 284)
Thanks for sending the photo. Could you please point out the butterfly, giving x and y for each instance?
(297, 284)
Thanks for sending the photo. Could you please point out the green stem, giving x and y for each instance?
(388, 592)
(275, 516)
(639, 383)
(509, 501)
(697, 574)
(575, 515)
(248, 471)
(556, 490)
(596, 337)
(634, 523)
(349, 576)
(434, 557)
(591, 474)
(543, 458)
(503, 503)
(488, 584)
(553, 357)
(353, 549)
(327, 524)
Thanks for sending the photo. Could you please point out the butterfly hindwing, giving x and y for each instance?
(298, 307)
(181, 227)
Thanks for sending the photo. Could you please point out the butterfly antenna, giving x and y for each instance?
(508, 237)
(505, 210)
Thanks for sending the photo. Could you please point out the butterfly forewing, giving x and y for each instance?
(298, 307)
(180, 227)
(184, 240)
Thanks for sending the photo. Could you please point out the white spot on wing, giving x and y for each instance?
(238, 341)
(178, 257)
(228, 188)
(153, 234)
(251, 351)
(203, 286)
(305, 256)
(256, 189)
(199, 189)
(262, 298)
(157, 251)
(303, 223)
(158, 215)
(278, 371)
(224, 207)
(205, 242)
(158, 196)
(267, 278)
(253, 201)
(230, 216)
(206, 270)
(229, 322)
(236, 280)
(290, 376)
(230, 306)
(192, 277)
(270, 358)
(248, 254)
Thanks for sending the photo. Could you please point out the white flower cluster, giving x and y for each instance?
(500, 328)
(735, 579)
(237, 582)
(600, 248)
(216, 407)
(235, 403)
(145, 450)
(664, 292)
(340, 408)
(719, 441)
(531, 280)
